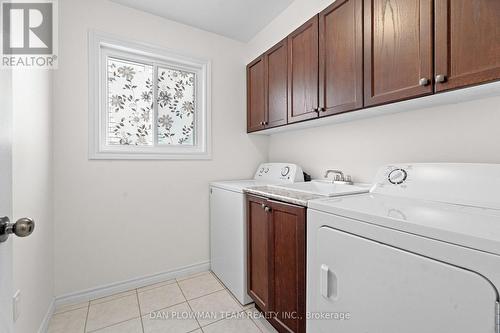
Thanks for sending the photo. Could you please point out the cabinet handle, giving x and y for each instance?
(316, 110)
(322, 109)
(263, 206)
(261, 123)
(267, 209)
(266, 123)
(424, 81)
(440, 78)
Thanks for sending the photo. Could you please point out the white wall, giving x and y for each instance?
(117, 220)
(466, 132)
(290, 19)
(32, 195)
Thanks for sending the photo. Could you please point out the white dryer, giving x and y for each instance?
(228, 246)
(420, 253)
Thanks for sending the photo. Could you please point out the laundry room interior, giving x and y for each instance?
(214, 166)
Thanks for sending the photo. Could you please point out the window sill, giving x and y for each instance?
(148, 156)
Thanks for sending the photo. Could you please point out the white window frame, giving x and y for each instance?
(102, 46)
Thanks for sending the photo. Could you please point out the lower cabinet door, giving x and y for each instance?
(288, 270)
(367, 286)
(258, 256)
(277, 262)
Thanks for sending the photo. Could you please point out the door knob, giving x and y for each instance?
(424, 81)
(440, 78)
(22, 228)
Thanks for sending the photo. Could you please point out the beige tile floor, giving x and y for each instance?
(198, 303)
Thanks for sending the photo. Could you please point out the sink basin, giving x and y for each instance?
(323, 188)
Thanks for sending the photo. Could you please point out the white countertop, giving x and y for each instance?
(293, 197)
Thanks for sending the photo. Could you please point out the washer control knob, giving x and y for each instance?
(285, 171)
(397, 176)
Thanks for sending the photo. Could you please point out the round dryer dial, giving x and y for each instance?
(397, 176)
(285, 171)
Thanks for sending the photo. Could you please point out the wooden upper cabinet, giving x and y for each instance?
(341, 57)
(361, 53)
(258, 252)
(303, 72)
(256, 114)
(398, 50)
(276, 91)
(467, 42)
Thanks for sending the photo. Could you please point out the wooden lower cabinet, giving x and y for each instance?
(277, 261)
(259, 264)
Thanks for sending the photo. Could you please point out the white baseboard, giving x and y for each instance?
(117, 287)
(44, 326)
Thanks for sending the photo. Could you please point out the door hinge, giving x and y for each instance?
(497, 317)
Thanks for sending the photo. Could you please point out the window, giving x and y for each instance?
(146, 103)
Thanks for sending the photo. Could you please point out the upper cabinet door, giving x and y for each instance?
(341, 57)
(398, 50)
(303, 72)
(467, 42)
(276, 85)
(256, 114)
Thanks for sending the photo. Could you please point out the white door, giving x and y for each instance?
(6, 317)
(376, 288)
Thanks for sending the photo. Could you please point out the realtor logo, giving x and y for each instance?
(28, 34)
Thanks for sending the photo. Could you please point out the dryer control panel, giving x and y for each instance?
(394, 176)
(279, 172)
(466, 184)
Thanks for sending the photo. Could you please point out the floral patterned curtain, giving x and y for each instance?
(131, 106)
(175, 106)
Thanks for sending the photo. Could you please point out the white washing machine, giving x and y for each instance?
(228, 245)
(420, 253)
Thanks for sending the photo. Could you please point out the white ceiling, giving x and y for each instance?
(237, 19)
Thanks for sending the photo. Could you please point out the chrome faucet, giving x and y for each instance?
(339, 177)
